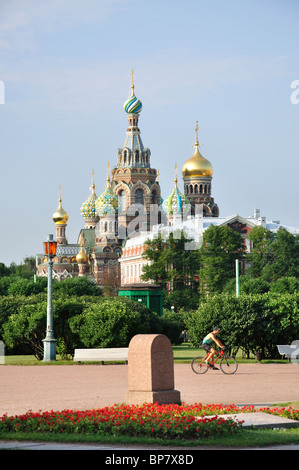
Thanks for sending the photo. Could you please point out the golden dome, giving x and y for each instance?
(60, 216)
(81, 257)
(197, 165)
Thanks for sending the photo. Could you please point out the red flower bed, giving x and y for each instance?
(166, 421)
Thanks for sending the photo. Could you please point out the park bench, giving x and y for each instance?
(289, 351)
(101, 355)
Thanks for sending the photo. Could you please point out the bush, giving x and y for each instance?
(77, 286)
(113, 322)
(250, 322)
(285, 285)
(25, 324)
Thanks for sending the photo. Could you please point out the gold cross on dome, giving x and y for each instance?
(92, 181)
(196, 130)
(108, 172)
(132, 75)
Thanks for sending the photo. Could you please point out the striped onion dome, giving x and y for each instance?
(176, 202)
(133, 105)
(88, 208)
(107, 202)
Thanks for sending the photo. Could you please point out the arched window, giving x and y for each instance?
(154, 197)
(139, 196)
(122, 201)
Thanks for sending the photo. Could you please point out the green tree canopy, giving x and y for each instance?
(172, 265)
(273, 255)
(220, 248)
(77, 286)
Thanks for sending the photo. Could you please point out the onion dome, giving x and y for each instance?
(82, 257)
(88, 209)
(60, 216)
(107, 202)
(133, 105)
(176, 202)
(197, 165)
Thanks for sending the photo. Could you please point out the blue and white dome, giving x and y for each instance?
(107, 202)
(176, 203)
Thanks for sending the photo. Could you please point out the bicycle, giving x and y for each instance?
(228, 365)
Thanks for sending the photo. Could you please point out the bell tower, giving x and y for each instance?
(197, 174)
(133, 180)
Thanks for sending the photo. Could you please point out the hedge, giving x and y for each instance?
(85, 321)
(254, 323)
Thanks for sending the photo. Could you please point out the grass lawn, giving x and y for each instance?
(245, 438)
(184, 353)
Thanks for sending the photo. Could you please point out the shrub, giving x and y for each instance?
(250, 322)
(77, 286)
(113, 322)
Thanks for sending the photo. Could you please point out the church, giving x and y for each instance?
(131, 210)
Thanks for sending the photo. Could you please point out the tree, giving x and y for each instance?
(286, 284)
(248, 285)
(77, 286)
(221, 247)
(113, 322)
(285, 248)
(111, 281)
(273, 255)
(172, 265)
(255, 322)
(26, 269)
(4, 270)
(157, 269)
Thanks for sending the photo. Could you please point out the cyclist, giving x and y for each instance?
(206, 345)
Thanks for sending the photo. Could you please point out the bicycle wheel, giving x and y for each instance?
(198, 365)
(228, 365)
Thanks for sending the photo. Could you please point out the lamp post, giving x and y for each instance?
(49, 341)
(237, 279)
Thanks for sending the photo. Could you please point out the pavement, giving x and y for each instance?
(82, 387)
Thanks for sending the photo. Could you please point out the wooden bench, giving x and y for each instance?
(289, 351)
(101, 355)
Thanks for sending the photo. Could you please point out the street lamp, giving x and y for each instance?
(49, 341)
(237, 279)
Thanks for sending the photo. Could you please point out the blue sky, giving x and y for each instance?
(66, 67)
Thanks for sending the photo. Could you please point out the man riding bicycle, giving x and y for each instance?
(206, 345)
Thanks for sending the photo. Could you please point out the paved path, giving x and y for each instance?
(47, 387)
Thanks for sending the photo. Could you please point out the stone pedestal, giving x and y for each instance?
(150, 371)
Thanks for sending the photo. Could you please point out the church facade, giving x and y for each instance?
(131, 210)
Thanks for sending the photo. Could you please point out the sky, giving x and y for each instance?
(65, 72)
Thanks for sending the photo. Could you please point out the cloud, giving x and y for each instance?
(22, 20)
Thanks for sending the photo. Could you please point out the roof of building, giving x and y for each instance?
(195, 226)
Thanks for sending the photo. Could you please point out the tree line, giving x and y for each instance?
(198, 283)
(188, 277)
